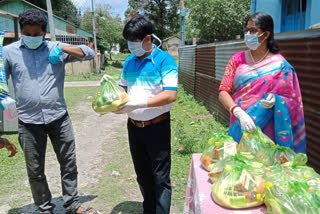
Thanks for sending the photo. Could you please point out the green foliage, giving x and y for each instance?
(163, 14)
(62, 8)
(217, 20)
(108, 28)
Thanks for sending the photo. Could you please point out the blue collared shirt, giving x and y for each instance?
(38, 84)
(147, 78)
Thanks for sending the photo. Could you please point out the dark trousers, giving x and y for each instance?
(33, 141)
(151, 154)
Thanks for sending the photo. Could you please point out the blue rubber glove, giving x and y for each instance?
(55, 54)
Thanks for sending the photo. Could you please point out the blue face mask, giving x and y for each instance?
(137, 49)
(32, 42)
(252, 41)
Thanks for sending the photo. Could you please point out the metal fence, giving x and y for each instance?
(301, 49)
(73, 40)
(187, 68)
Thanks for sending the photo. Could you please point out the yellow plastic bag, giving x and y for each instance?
(110, 97)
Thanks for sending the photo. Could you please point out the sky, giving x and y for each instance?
(118, 6)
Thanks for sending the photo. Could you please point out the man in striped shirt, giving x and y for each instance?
(150, 78)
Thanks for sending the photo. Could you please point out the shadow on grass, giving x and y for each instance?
(31, 208)
(128, 207)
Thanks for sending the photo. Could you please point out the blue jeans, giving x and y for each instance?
(33, 141)
(150, 149)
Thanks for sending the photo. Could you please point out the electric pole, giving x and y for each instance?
(182, 22)
(94, 38)
(51, 23)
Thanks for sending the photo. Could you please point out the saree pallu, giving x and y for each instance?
(284, 122)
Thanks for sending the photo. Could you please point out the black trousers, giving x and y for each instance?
(150, 148)
(33, 141)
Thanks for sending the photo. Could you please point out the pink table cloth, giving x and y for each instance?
(198, 194)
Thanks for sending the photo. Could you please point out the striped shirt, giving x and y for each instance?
(147, 78)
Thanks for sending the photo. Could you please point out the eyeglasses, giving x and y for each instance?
(252, 30)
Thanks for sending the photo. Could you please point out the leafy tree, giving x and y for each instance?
(217, 20)
(108, 28)
(62, 8)
(163, 14)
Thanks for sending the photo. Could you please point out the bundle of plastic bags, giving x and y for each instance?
(240, 185)
(110, 97)
(7, 104)
(254, 144)
(219, 166)
(291, 190)
(220, 147)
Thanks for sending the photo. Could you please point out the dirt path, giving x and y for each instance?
(106, 175)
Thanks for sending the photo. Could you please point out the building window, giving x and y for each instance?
(292, 17)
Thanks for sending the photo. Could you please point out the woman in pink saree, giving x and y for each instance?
(261, 88)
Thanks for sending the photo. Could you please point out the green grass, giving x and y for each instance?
(109, 69)
(192, 125)
(117, 57)
(12, 169)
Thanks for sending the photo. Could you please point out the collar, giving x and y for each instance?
(21, 43)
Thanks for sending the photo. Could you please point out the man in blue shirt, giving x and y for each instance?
(150, 78)
(37, 70)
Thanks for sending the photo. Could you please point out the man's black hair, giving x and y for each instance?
(137, 28)
(33, 17)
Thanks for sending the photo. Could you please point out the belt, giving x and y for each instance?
(155, 120)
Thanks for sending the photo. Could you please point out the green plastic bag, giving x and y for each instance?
(277, 155)
(252, 144)
(110, 97)
(292, 189)
(220, 146)
(291, 197)
(217, 168)
(240, 185)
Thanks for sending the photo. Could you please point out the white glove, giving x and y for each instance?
(105, 77)
(132, 105)
(246, 122)
(269, 101)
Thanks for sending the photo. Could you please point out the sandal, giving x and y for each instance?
(89, 210)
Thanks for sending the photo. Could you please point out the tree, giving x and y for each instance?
(62, 8)
(108, 28)
(163, 14)
(218, 20)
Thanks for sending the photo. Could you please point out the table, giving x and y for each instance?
(198, 194)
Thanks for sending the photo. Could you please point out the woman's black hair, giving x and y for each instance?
(137, 28)
(265, 23)
(33, 17)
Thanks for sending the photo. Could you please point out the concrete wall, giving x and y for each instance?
(314, 13)
(271, 7)
(84, 67)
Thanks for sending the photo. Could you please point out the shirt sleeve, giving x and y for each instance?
(169, 74)
(228, 77)
(88, 52)
(6, 62)
(123, 79)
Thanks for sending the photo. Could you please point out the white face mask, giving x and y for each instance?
(32, 42)
(252, 41)
(137, 49)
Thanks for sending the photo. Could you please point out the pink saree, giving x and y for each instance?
(249, 83)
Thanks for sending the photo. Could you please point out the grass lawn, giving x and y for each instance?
(192, 125)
